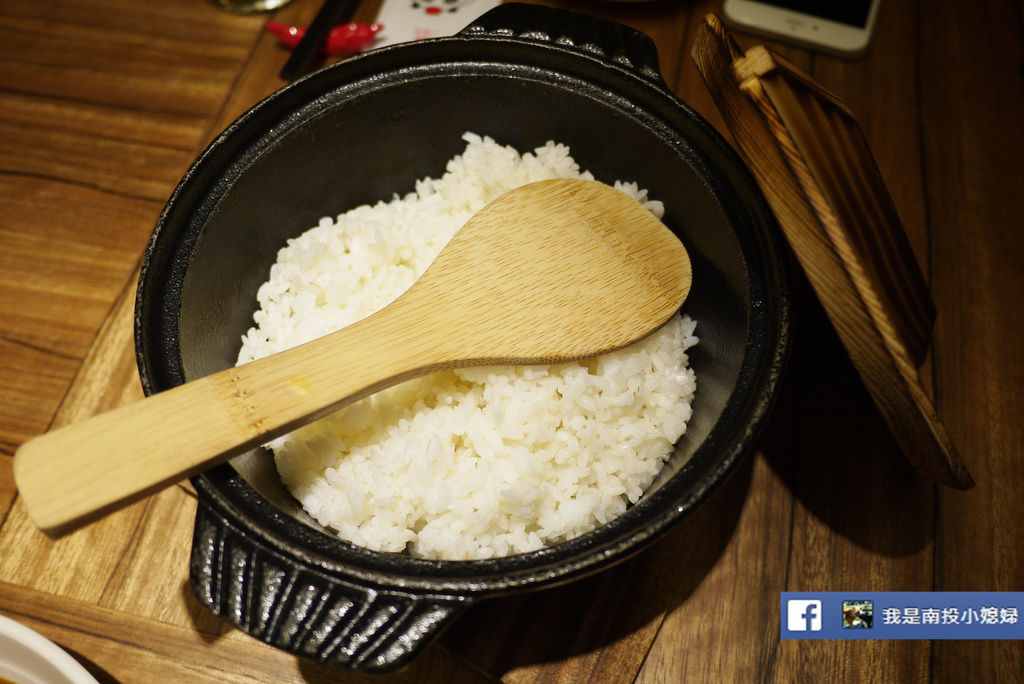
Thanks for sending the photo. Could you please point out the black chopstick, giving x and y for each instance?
(331, 12)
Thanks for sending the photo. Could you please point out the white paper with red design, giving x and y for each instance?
(407, 20)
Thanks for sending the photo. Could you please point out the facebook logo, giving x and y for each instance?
(803, 615)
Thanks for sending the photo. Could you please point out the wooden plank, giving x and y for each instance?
(723, 623)
(863, 519)
(115, 166)
(158, 651)
(30, 390)
(110, 563)
(52, 308)
(972, 103)
(172, 58)
(99, 119)
(189, 26)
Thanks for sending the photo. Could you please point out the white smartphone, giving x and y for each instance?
(840, 27)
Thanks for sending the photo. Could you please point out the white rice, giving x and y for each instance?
(478, 462)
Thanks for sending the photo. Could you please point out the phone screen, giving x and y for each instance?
(850, 12)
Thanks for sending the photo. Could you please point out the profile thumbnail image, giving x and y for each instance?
(858, 614)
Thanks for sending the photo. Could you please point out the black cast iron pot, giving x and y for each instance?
(357, 132)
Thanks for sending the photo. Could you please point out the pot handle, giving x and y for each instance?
(614, 42)
(295, 605)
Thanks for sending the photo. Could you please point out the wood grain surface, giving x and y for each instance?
(105, 103)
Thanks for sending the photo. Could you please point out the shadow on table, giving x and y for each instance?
(98, 673)
(844, 466)
(616, 605)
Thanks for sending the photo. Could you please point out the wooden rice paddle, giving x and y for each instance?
(550, 272)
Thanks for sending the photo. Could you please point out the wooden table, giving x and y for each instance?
(103, 105)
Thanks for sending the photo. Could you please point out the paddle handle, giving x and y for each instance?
(73, 475)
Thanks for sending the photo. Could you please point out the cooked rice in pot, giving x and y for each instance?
(475, 462)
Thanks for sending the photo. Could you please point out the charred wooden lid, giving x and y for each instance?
(808, 154)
